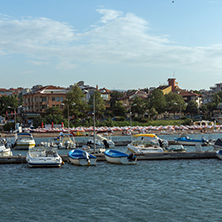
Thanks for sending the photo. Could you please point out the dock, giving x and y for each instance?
(151, 156)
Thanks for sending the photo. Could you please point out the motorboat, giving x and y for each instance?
(147, 143)
(217, 145)
(24, 141)
(186, 140)
(65, 141)
(118, 157)
(219, 154)
(101, 142)
(81, 158)
(4, 149)
(42, 156)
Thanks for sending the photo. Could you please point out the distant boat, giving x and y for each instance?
(117, 157)
(81, 158)
(41, 156)
(146, 143)
(101, 142)
(185, 140)
(24, 141)
(65, 141)
(4, 149)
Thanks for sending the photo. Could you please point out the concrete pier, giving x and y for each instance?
(150, 156)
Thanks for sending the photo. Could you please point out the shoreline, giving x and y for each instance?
(119, 133)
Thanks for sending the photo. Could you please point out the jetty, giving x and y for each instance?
(151, 156)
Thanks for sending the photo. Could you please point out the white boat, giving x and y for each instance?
(41, 156)
(219, 154)
(147, 143)
(24, 141)
(65, 141)
(117, 157)
(101, 142)
(81, 158)
(4, 149)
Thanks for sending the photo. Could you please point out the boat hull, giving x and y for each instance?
(81, 158)
(44, 161)
(189, 143)
(24, 145)
(120, 160)
(144, 150)
(6, 152)
(83, 162)
(219, 154)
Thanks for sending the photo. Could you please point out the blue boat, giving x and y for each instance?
(81, 158)
(115, 156)
(185, 140)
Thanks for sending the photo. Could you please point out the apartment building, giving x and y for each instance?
(40, 99)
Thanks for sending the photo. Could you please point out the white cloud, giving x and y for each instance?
(119, 39)
(109, 14)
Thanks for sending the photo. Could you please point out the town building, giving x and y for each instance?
(40, 99)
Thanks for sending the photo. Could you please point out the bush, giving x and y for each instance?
(9, 126)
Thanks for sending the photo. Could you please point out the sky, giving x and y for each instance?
(116, 44)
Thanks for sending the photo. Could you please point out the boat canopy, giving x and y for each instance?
(145, 135)
(24, 134)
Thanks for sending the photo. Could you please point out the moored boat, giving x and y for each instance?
(101, 142)
(24, 141)
(186, 140)
(147, 143)
(4, 149)
(81, 158)
(65, 141)
(41, 156)
(117, 157)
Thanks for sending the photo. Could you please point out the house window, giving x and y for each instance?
(53, 98)
(61, 99)
(57, 99)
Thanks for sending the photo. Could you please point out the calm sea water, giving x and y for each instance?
(167, 190)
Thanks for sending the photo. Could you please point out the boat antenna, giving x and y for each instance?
(94, 123)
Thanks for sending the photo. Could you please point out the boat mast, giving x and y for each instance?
(94, 123)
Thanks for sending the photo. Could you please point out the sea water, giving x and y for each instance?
(165, 190)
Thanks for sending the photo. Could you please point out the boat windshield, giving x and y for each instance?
(147, 140)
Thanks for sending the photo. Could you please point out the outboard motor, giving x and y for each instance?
(106, 143)
(132, 157)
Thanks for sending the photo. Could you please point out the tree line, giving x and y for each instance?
(80, 112)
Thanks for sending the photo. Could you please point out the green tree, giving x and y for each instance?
(8, 103)
(192, 107)
(115, 96)
(139, 106)
(217, 98)
(157, 100)
(53, 110)
(75, 102)
(174, 102)
(119, 109)
(99, 104)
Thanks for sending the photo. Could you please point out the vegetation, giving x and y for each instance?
(150, 111)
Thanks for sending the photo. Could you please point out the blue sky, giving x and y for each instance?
(117, 44)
